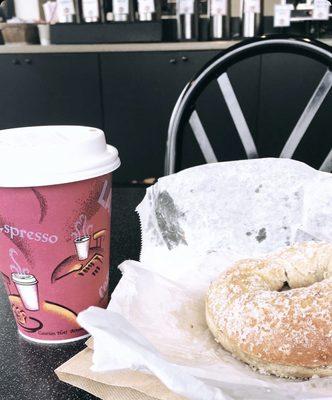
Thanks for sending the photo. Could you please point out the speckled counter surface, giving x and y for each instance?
(122, 47)
(115, 47)
(27, 369)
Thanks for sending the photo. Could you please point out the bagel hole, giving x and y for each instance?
(285, 287)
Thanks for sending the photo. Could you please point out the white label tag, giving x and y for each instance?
(186, 6)
(120, 7)
(66, 7)
(218, 7)
(90, 8)
(253, 6)
(321, 10)
(282, 15)
(146, 6)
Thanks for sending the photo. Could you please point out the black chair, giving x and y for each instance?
(185, 114)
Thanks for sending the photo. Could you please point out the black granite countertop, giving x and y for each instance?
(27, 369)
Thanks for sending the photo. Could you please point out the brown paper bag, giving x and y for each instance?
(119, 385)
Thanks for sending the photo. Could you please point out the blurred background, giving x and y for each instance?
(120, 65)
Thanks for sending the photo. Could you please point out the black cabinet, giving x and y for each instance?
(45, 89)
(131, 96)
(139, 93)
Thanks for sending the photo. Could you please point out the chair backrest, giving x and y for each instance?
(185, 111)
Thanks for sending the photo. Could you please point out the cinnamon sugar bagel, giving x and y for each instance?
(287, 333)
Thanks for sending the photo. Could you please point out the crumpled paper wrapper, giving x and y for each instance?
(195, 224)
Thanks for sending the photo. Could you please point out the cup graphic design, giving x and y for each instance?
(27, 287)
(82, 247)
(55, 227)
(82, 237)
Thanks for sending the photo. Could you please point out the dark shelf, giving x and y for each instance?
(113, 32)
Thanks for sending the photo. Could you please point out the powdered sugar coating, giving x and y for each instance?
(291, 327)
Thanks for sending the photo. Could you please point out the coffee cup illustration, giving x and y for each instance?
(82, 247)
(27, 287)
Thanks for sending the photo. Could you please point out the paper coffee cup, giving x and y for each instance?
(82, 247)
(55, 208)
(27, 288)
(44, 34)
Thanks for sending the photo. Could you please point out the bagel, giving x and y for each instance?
(287, 333)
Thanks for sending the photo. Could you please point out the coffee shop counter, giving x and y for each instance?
(122, 47)
(115, 47)
(27, 369)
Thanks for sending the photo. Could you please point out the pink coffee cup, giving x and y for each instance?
(55, 209)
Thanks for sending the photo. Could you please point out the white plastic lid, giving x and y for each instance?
(50, 155)
(22, 279)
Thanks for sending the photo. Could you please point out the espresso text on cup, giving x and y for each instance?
(13, 232)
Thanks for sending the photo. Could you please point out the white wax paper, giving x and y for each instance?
(195, 224)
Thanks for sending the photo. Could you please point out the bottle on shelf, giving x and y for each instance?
(187, 20)
(308, 17)
(66, 11)
(146, 10)
(219, 11)
(122, 10)
(281, 12)
(251, 17)
(321, 15)
(91, 11)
